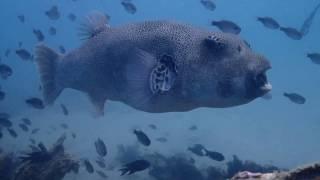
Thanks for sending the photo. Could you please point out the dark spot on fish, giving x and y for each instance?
(35, 103)
(142, 137)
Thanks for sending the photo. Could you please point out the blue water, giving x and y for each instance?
(276, 132)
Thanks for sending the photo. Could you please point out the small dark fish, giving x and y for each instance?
(295, 98)
(53, 13)
(292, 33)
(227, 26)
(12, 133)
(62, 50)
(21, 18)
(35, 103)
(269, 22)
(100, 147)
(26, 121)
(20, 44)
(24, 127)
(208, 4)
(152, 126)
(198, 150)
(162, 139)
(193, 128)
(101, 174)
(32, 141)
(129, 6)
(7, 52)
(24, 54)
(142, 137)
(88, 166)
(5, 71)
(52, 31)
(64, 126)
(305, 28)
(2, 95)
(73, 135)
(39, 35)
(5, 122)
(315, 57)
(72, 17)
(1, 135)
(35, 131)
(134, 167)
(214, 155)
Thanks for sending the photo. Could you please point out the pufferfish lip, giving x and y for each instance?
(262, 83)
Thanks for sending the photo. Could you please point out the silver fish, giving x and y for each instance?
(227, 26)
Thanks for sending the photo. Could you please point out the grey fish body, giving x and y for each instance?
(142, 137)
(227, 26)
(269, 22)
(135, 166)
(100, 147)
(129, 6)
(5, 71)
(315, 57)
(24, 54)
(39, 35)
(88, 166)
(295, 98)
(208, 4)
(52, 31)
(204, 69)
(292, 33)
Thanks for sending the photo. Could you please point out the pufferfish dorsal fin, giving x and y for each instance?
(215, 43)
(93, 24)
(148, 76)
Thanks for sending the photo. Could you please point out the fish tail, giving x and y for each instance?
(47, 61)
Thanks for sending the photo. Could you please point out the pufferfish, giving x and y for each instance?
(156, 67)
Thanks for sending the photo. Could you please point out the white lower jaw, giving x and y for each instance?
(266, 87)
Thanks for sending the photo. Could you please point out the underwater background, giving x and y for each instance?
(276, 131)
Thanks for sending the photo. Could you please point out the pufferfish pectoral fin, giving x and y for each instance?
(148, 76)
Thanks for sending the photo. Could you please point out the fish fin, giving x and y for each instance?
(147, 77)
(98, 102)
(94, 23)
(47, 61)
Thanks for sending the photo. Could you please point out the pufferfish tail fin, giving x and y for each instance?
(47, 61)
(93, 24)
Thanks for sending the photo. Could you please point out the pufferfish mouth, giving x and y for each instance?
(262, 83)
